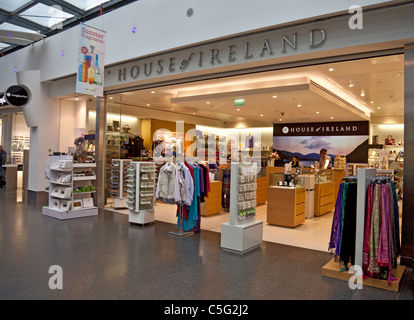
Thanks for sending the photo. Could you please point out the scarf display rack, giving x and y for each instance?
(333, 269)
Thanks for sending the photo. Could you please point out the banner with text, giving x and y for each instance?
(91, 58)
(305, 140)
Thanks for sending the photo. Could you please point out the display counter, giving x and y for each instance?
(212, 204)
(286, 206)
(10, 173)
(324, 193)
(262, 185)
(286, 200)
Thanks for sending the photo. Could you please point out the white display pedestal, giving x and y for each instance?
(239, 236)
(73, 214)
(141, 217)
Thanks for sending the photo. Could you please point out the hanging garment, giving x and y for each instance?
(336, 222)
(192, 211)
(347, 252)
(226, 189)
(170, 185)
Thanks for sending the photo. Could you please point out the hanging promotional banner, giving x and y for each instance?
(91, 58)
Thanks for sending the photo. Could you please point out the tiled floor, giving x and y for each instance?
(313, 234)
(104, 257)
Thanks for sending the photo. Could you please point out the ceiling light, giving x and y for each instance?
(261, 115)
(76, 99)
(317, 112)
(331, 69)
(362, 93)
(172, 108)
(378, 108)
(193, 112)
(148, 104)
(152, 91)
(332, 117)
(371, 101)
(110, 98)
(299, 105)
(280, 119)
(274, 97)
(238, 109)
(351, 85)
(208, 102)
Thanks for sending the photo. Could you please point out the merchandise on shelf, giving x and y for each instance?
(247, 193)
(71, 186)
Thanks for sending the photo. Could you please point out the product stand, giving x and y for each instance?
(141, 192)
(64, 203)
(181, 233)
(120, 201)
(242, 233)
(331, 269)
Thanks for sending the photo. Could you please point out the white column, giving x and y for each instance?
(42, 116)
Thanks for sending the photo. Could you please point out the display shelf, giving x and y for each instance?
(118, 182)
(141, 193)
(243, 232)
(64, 202)
(85, 178)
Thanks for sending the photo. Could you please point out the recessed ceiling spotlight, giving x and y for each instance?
(152, 91)
(362, 93)
(111, 98)
(317, 112)
(351, 85)
(299, 105)
(261, 115)
(280, 119)
(238, 109)
(378, 108)
(332, 117)
(331, 69)
(148, 104)
(76, 99)
(208, 102)
(371, 102)
(172, 108)
(274, 97)
(193, 112)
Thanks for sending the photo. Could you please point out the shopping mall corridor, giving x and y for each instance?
(105, 257)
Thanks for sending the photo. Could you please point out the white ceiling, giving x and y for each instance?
(324, 95)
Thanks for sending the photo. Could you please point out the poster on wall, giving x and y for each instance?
(91, 58)
(305, 140)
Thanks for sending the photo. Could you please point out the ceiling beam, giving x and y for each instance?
(66, 7)
(21, 22)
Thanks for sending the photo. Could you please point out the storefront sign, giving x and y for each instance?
(270, 45)
(18, 96)
(305, 140)
(91, 58)
(352, 128)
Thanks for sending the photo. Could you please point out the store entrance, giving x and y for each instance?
(229, 118)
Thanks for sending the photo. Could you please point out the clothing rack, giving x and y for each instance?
(181, 233)
(364, 177)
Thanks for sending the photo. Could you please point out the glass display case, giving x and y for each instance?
(324, 176)
(292, 180)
